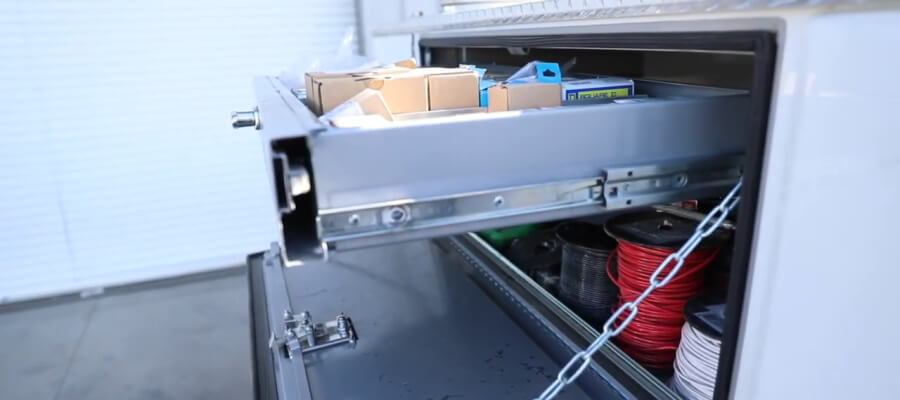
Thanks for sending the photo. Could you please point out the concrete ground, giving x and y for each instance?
(183, 339)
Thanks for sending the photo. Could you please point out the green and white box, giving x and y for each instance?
(605, 87)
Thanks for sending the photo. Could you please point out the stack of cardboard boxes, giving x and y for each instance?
(374, 96)
(402, 89)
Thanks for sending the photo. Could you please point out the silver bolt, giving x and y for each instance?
(292, 348)
(354, 219)
(304, 318)
(681, 180)
(397, 214)
(342, 325)
(498, 201)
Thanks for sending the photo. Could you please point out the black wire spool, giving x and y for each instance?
(539, 251)
(584, 285)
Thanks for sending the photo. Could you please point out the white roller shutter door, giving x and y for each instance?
(117, 162)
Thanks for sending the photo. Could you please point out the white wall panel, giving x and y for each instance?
(119, 164)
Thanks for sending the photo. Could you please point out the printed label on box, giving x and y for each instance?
(594, 93)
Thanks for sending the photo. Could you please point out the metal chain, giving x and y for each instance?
(583, 358)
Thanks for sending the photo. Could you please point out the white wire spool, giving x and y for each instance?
(696, 362)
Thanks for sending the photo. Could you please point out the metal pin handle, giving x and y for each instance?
(243, 119)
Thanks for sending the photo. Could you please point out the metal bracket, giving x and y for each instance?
(302, 336)
(662, 183)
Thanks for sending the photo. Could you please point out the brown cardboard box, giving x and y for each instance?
(403, 91)
(450, 88)
(503, 97)
(312, 78)
(372, 103)
(367, 102)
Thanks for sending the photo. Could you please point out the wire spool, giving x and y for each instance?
(644, 240)
(583, 283)
(697, 358)
(539, 251)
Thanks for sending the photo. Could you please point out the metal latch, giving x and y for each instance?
(301, 335)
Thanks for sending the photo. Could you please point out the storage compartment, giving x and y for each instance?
(699, 130)
(714, 310)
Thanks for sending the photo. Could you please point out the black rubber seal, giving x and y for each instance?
(724, 41)
(764, 47)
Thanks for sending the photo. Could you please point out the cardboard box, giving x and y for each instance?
(605, 87)
(451, 88)
(367, 102)
(402, 89)
(312, 95)
(518, 96)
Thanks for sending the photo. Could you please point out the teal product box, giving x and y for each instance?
(483, 90)
(537, 71)
(605, 87)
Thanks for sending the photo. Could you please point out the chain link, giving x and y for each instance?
(710, 223)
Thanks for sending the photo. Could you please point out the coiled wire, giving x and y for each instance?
(652, 337)
(583, 284)
(696, 362)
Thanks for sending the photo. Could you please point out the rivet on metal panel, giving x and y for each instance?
(498, 201)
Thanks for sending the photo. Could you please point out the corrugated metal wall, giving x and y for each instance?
(117, 161)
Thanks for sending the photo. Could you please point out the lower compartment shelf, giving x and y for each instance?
(551, 323)
(439, 318)
(425, 330)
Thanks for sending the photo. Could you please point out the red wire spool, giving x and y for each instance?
(644, 241)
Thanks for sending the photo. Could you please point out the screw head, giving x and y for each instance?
(395, 216)
(353, 220)
(498, 201)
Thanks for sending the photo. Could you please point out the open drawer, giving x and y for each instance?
(427, 177)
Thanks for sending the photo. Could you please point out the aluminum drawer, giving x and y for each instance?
(479, 171)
